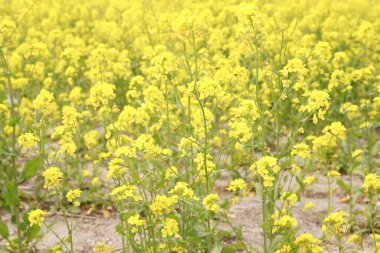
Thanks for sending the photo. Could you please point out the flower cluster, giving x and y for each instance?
(210, 202)
(52, 177)
(266, 167)
(37, 217)
(173, 115)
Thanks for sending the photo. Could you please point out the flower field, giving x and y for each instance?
(190, 126)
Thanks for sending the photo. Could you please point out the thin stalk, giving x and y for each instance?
(58, 237)
(372, 213)
(205, 139)
(351, 198)
(225, 215)
(124, 240)
(13, 172)
(263, 206)
(69, 228)
(329, 194)
(167, 108)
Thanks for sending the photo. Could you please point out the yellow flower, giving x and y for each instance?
(183, 189)
(185, 145)
(101, 247)
(266, 167)
(317, 103)
(163, 204)
(101, 93)
(208, 87)
(72, 196)
(237, 184)
(301, 130)
(376, 237)
(210, 203)
(334, 222)
(170, 228)
(67, 145)
(44, 103)
(116, 169)
(336, 129)
(240, 130)
(52, 177)
(136, 221)
(37, 217)
(91, 139)
(301, 150)
(147, 145)
(349, 109)
(308, 206)
(70, 117)
(357, 155)
(284, 249)
(289, 198)
(235, 199)
(356, 239)
(95, 181)
(162, 246)
(371, 183)
(284, 222)
(171, 172)
(56, 249)
(179, 250)
(27, 140)
(125, 192)
(309, 180)
(307, 243)
(295, 169)
(86, 173)
(333, 173)
(201, 168)
(124, 151)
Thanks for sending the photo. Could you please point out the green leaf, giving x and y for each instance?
(238, 246)
(31, 167)
(228, 250)
(239, 233)
(275, 243)
(345, 187)
(15, 121)
(119, 229)
(300, 183)
(285, 164)
(224, 234)
(10, 194)
(217, 248)
(4, 231)
(285, 178)
(32, 232)
(259, 190)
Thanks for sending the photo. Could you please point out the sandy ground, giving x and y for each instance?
(91, 229)
(247, 213)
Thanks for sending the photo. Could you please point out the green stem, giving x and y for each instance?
(329, 193)
(124, 240)
(351, 198)
(58, 237)
(225, 216)
(167, 113)
(13, 172)
(372, 214)
(69, 228)
(264, 212)
(205, 139)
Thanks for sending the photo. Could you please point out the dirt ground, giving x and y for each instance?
(247, 213)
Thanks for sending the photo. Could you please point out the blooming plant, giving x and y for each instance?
(171, 115)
